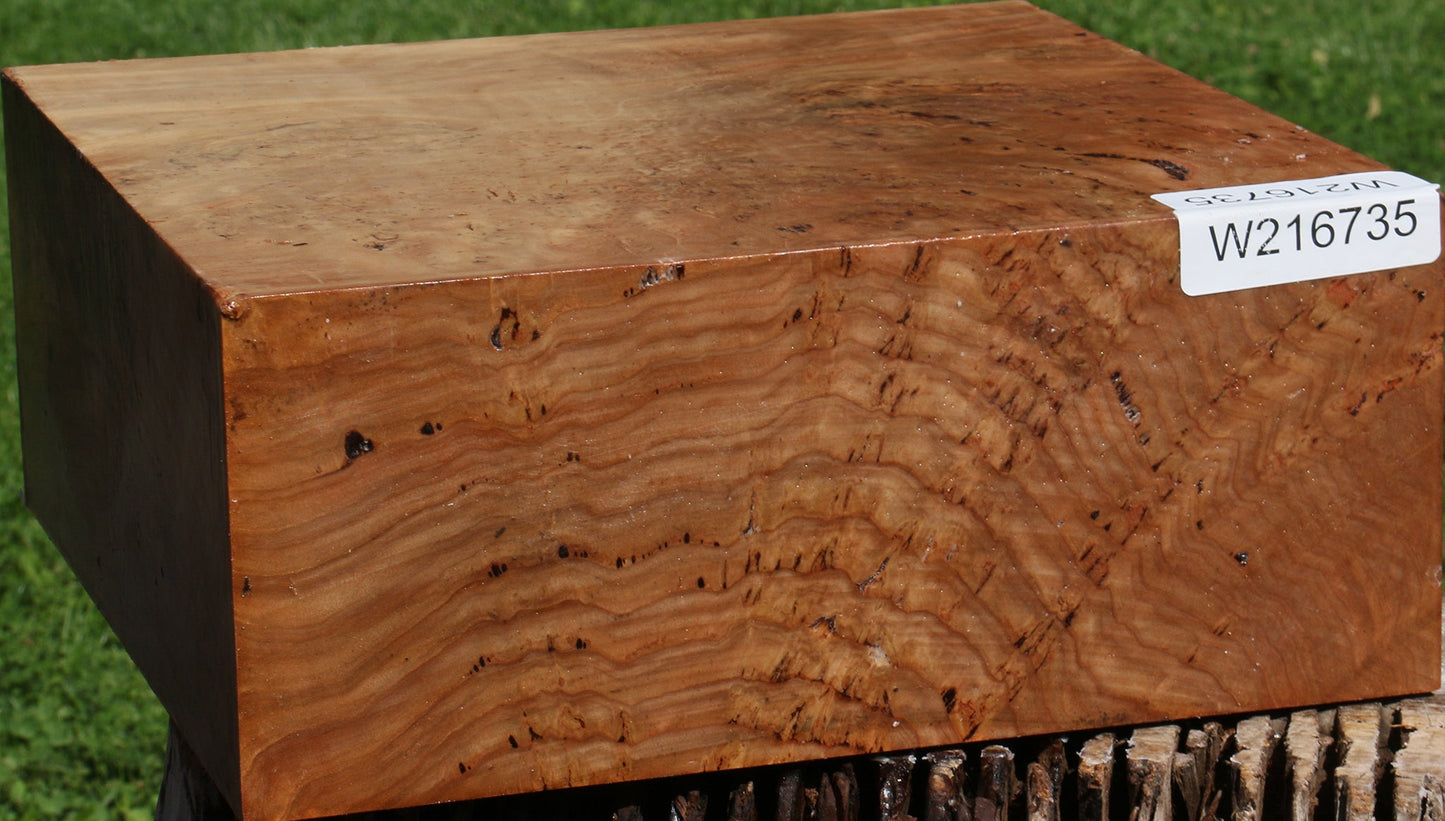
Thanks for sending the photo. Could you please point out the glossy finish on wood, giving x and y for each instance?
(614, 405)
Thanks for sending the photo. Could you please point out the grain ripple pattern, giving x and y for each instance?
(712, 514)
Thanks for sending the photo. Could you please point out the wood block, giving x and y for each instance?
(1307, 742)
(1045, 783)
(895, 786)
(1096, 777)
(1419, 763)
(1255, 740)
(996, 784)
(946, 798)
(457, 419)
(1150, 756)
(1419, 766)
(1364, 730)
(1195, 768)
(742, 803)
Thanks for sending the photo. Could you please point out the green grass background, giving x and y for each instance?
(81, 736)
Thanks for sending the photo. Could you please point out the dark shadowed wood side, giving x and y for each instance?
(119, 350)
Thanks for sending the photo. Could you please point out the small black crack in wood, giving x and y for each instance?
(355, 445)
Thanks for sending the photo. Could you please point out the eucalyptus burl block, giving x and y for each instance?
(458, 419)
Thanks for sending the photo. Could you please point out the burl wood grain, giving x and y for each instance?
(608, 406)
(878, 498)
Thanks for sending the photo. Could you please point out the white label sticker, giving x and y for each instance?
(1247, 236)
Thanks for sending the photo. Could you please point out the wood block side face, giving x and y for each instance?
(121, 422)
(556, 530)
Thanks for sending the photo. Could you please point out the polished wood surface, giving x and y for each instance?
(1382, 761)
(617, 405)
(393, 165)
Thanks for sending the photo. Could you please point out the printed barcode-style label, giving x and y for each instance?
(1248, 236)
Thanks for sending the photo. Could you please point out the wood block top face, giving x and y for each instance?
(614, 405)
(384, 165)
